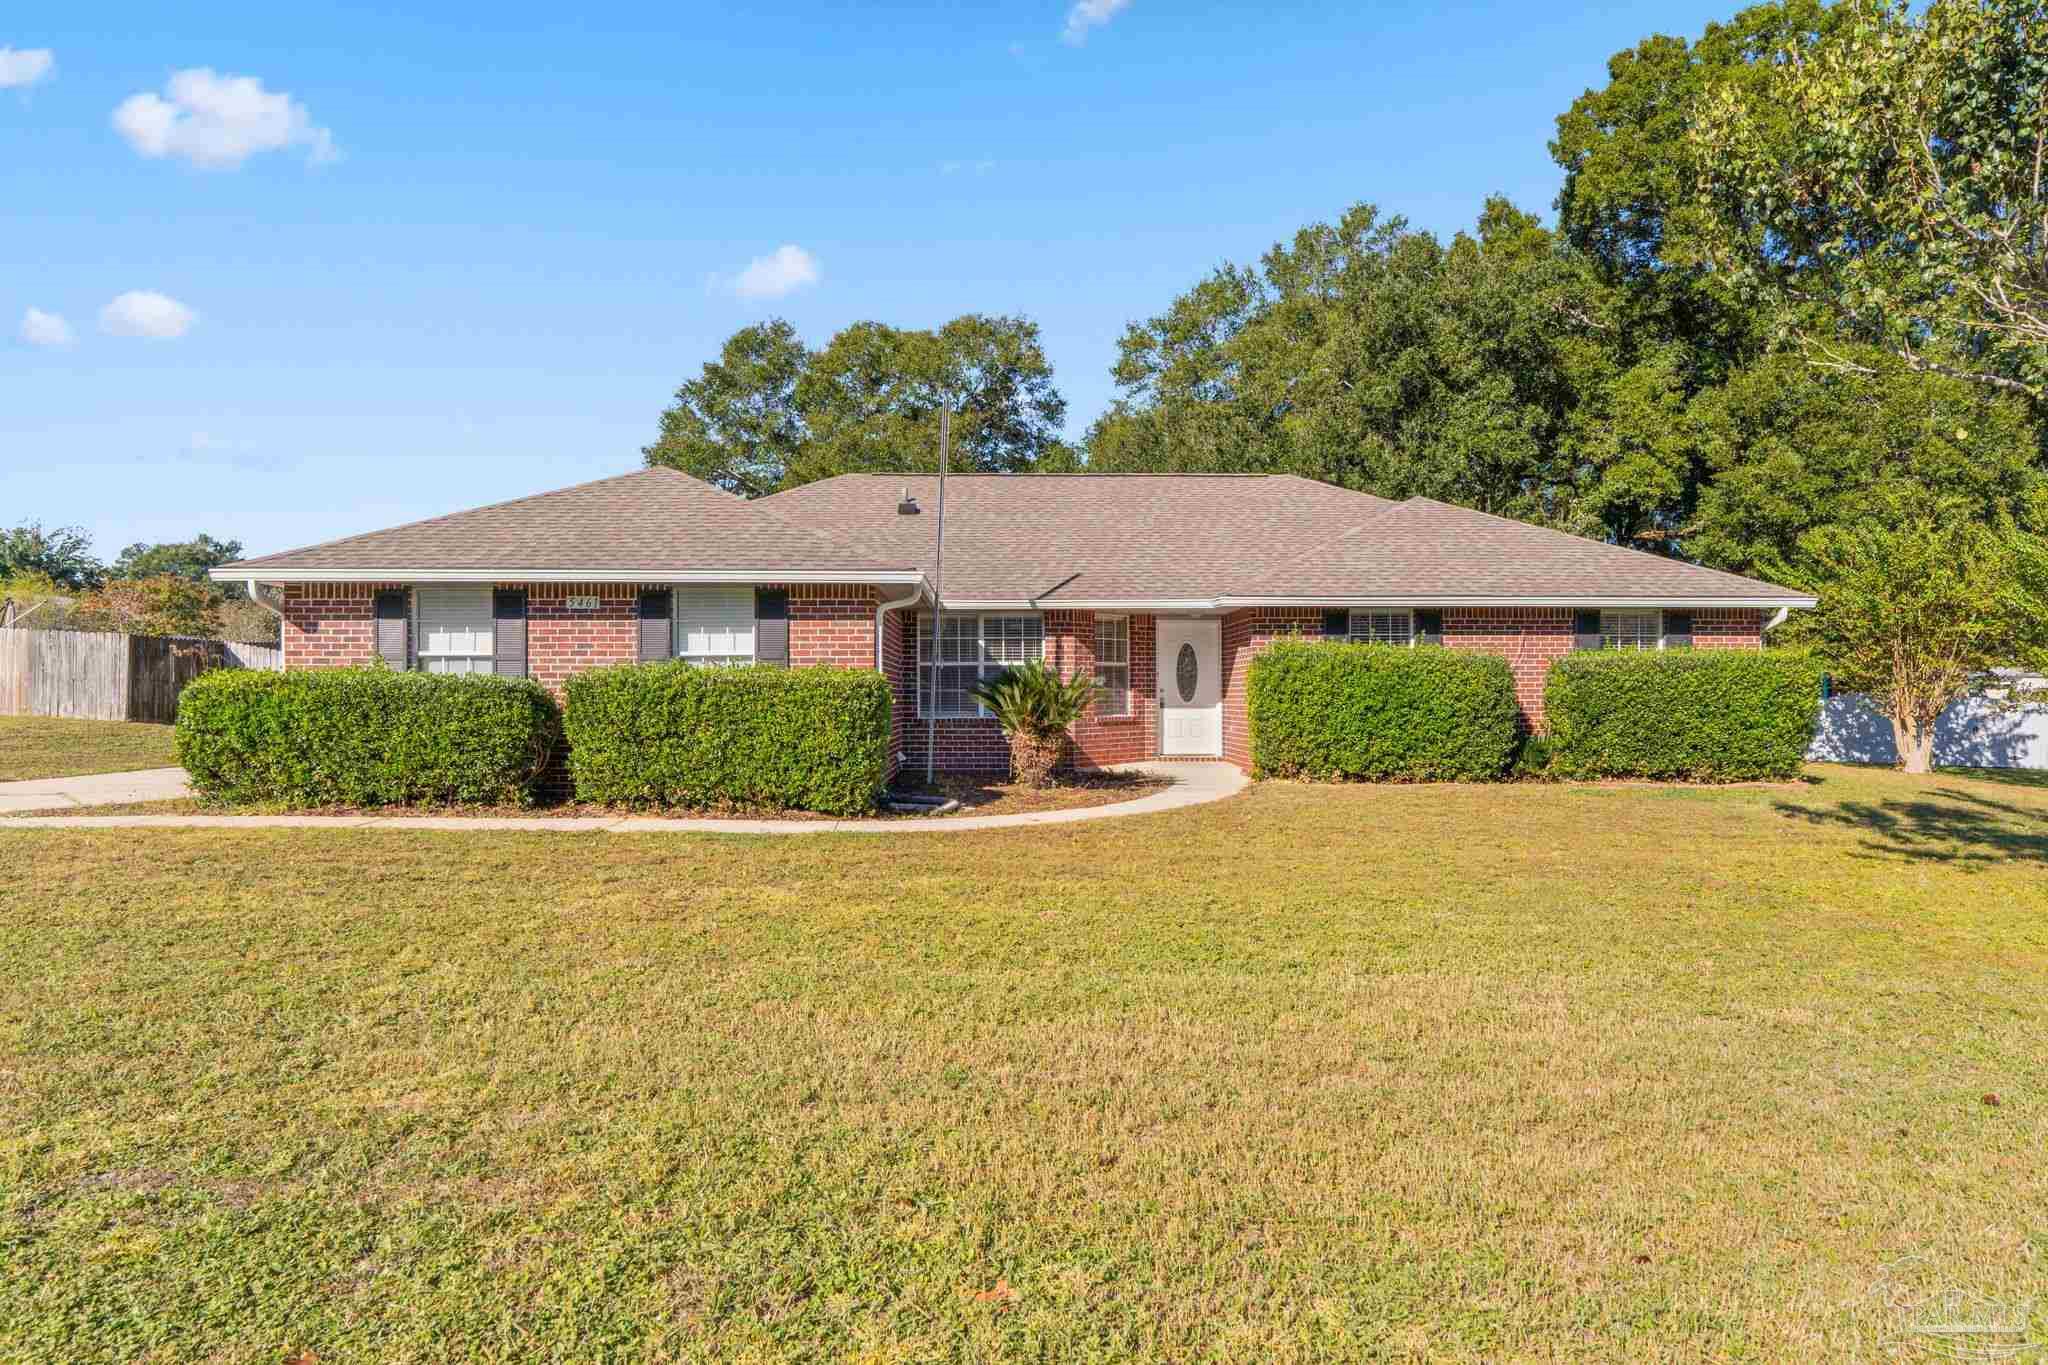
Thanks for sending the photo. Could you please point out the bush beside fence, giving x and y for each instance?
(1380, 712)
(1705, 716)
(365, 737)
(673, 734)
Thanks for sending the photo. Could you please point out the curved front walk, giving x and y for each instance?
(1194, 784)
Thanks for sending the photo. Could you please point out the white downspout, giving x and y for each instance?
(881, 618)
(1777, 619)
(278, 612)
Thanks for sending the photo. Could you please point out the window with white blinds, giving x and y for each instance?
(1382, 627)
(715, 624)
(455, 630)
(972, 648)
(1112, 666)
(1632, 629)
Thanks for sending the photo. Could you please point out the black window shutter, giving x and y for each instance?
(393, 623)
(657, 635)
(1678, 630)
(1429, 627)
(508, 630)
(1586, 631)
(771, 626)
(1336, 625)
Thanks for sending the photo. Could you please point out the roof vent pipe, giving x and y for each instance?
(908, 506)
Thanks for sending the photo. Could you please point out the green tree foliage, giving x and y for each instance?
(1921, 604)
(189, 559)
(63, 555)
(1788, 449)
(736, 425)
(769, 414)
(1890, 170)
(1377, 357)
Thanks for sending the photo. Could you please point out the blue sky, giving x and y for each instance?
(431, 262)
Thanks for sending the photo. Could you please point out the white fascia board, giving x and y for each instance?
(611, 575)
(1440, 600)
(1063, 604)
(1400, 600)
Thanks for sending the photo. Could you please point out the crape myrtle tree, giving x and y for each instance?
(1921, 605)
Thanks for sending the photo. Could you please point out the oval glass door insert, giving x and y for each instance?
(1185, 673)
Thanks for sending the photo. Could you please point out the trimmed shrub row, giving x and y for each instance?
(365, 737)
(672, 734)
(1380, 712)
(1706, 716)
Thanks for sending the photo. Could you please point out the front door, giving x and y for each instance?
(1191, 686)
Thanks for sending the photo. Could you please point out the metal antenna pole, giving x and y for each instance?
(931, 719)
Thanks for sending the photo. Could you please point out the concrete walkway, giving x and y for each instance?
(94, 789)
(1194, 784)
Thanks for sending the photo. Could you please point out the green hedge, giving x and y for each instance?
(1704, 716)
(365, 737)
(673, 734)
(1381, 712)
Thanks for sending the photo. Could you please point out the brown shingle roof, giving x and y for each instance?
(1204, 538)
(652, 521)
(1194, 539)
(1452, 551)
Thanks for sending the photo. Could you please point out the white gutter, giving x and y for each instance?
(233, 574)
(1778, 617)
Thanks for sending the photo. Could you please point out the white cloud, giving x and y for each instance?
(24, 66)
(45, 329)
(146, 313)
(1087, 14)
(219, 121)
(781, 272)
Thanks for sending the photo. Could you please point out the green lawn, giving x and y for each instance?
(40, 746)
(1616, 1073)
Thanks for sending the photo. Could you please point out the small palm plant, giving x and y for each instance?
(1034, 705)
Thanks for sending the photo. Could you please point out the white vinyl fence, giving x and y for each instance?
(1973, 733)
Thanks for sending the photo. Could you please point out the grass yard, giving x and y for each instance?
(41, 746)
(1617, 1073)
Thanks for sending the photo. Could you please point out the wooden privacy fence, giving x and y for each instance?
(88, 675)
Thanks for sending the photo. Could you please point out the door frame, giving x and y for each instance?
(1162, 672)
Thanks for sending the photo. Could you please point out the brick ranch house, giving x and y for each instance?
(1161, 587)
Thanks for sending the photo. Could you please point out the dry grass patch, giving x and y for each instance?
(42, 746)
(1312, 1074)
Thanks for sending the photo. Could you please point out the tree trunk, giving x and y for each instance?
(1915, 742)
(1033, 757)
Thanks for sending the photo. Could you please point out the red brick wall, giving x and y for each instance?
(1101, 740)
(1728, 628)
(1530, 638)
(329, 625)
(832, 623)
(1246, 634)
(974, 744)
(1533, 638)
(560, 642)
